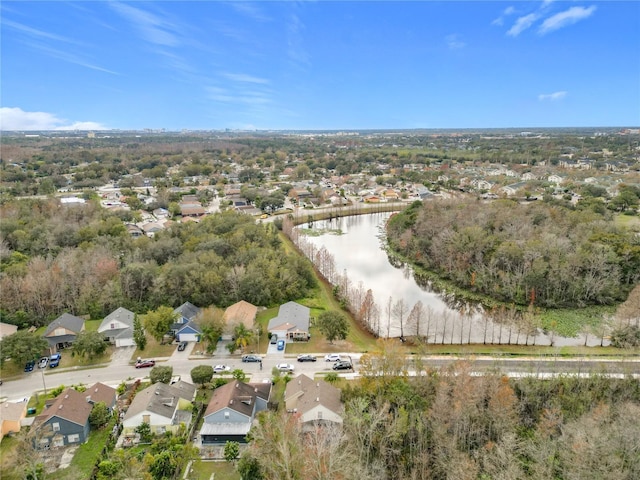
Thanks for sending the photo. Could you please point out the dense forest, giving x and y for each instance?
(544, 254)
(454, 425)
(82, 260)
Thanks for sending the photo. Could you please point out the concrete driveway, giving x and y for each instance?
(122, 355)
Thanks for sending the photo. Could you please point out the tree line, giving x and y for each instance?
(83, 261)
(537, 254)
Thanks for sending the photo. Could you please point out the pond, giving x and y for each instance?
(357, 246)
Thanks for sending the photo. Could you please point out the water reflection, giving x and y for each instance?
(359, 251)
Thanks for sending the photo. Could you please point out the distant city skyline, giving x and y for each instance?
(213, 65)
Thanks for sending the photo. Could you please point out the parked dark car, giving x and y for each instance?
(30, 366)
(273, 340)
(306, 358)
(145, 363)
(54, 360)
(251, 358)
(341, 365)
(182, 346)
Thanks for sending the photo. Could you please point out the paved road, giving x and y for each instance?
(182, 363)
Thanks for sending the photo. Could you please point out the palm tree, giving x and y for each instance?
(243, 336)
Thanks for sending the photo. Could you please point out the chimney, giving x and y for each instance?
(317, 399)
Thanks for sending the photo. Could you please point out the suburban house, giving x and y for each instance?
(292, 322)
(64, 422)
(241, 312)
(62, 332)
(7, 329)
(102, 393)
(11, 415)
(185, 328)
(315, 402)
(164, 407)
(118, 327)
(231, 411)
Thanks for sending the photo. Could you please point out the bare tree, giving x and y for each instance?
(399, 312)
(415, 317)
(388, 311)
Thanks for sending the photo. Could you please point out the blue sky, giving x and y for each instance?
(319, 65)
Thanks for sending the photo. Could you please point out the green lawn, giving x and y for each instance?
(630, 221)
(154, 349)
(202, 470)
(86, 455)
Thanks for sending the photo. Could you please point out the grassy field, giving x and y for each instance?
(628, 221)
(202, 470)
(154, 349)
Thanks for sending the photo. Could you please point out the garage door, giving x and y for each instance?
(188, 337)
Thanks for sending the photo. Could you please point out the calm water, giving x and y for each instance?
(359, 251)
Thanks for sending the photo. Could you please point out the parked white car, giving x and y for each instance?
(331, 357)
(285, 367)
(221, 368)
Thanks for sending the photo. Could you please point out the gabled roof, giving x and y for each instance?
(187, 310)
(13, 411)
(291, 313)
(311, 393)
(120, 315)
(69, 322)
(101, 393)
(189, 327)
(241, 312)
(238, 396)
(69, 405)
(161, 399)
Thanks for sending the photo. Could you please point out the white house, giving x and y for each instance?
(118, 327)
(164, 407)
(315, 402)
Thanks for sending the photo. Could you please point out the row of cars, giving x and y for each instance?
(341, 363)
(52, 361)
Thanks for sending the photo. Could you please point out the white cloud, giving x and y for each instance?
(153, 28)
(522, 23)
(14, 118)
(566, 18)
(242, 77)
(552, 96)
(32, 32)
(454, 42)
(500, 20)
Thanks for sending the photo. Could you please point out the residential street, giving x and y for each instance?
(119, 370)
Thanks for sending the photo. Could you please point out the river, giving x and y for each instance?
(357, 246)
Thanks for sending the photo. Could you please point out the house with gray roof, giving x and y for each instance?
(292, 322)
(186, 328)
(164, 407)
(62, 332)
(315, 402)
(232, 410)
(117, 327)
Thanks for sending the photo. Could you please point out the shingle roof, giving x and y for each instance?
(293, 313)
(310, 393)
(241, 312)
(66, 321)
(69, 405)
(12, 411)
(187, 310)
(161, 399)
(238, 396)
(101, 393)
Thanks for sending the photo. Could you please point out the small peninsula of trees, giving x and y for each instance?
(539, 254)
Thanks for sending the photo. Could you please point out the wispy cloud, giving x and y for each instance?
(522, 24)
(14, 118)
(153, 28)
(295, 49)
(242, 77)
(552, 96)
(566, 18)
(68, 57)
(35, 33)
(506, 12)
(250, 10)
(454, 42)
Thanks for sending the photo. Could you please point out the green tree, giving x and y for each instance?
(333, 325)
(202, 374)
(163, 466)
(90, 344)
(22, 347)
(158, 322)
(212, 324)
(144, 430)
(138, 333)
(239, 374)
(231, 451)
(99, 415)
(249, 467)
(161, 374)
(242, 336)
